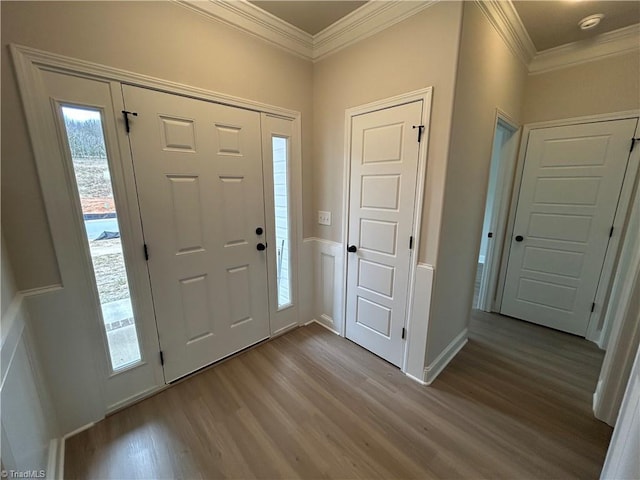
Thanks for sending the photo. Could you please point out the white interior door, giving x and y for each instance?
(384, 163)
(568, 198)
(199, 175)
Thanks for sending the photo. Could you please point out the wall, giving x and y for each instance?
(28, 424)
(604, 86)
(622, 459)
(161, 39)
(416, 53)
(489, 76)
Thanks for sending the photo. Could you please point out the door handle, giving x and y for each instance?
(519, 238)
(261, 246)
(352, 249)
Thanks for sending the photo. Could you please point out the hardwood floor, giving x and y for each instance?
(515, 403)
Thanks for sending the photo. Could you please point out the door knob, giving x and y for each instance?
(259, 231)
(352, 249)
(261, 246)
(519, 238)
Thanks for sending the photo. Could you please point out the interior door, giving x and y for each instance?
(384, 163)
(568, 198)
(198, 170)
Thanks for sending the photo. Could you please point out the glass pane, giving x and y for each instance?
(280, 148)
(93, 179)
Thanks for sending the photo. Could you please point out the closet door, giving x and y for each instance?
(198, 169)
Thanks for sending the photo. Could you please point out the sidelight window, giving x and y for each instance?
(281, 184)
(100, 218)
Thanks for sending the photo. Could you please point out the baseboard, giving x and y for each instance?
(416, 379)
(323, 325)
(60, 447)
(285, 329)
(432, 371)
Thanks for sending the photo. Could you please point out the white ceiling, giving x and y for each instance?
(549, 23)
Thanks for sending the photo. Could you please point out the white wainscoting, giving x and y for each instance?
(622, 458)
(30, 435)
(322, 300)
(419, 322)
(328, 260)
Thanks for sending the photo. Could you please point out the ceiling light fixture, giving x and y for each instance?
(591, 21)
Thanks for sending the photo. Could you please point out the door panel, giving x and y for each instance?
(199, 174)
(384, 162)
(568, 198)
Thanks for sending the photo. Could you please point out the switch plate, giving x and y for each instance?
(324, 218)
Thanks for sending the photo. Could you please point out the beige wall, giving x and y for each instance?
(416, 53)
(161, 39)
(604, 86)
(489, 77)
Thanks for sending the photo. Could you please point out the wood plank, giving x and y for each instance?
(515, 403)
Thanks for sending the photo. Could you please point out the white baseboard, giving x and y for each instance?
(323, 325)
(416, 379)
(432, 371)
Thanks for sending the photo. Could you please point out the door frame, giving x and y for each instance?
(597, 319)
(491, 269)
(27, 62)
(425, 95)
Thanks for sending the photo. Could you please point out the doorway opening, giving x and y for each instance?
(503, 156)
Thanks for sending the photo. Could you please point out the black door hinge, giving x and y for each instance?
(146, 252)
(633, 143)
(611, 231)
(126, 114)
(420, 131)
(404, 333)
(593, 307)
(161, 358)
(411, 242)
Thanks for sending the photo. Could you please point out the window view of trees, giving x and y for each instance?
(85, 138)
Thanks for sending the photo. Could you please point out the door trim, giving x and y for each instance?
(490, 273)
(597, 320)
(27, 61)
(424, 94)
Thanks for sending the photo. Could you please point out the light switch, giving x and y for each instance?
(324, 218)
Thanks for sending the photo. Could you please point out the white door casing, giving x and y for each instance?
(568, 197)
(384, 164)
(199, 175)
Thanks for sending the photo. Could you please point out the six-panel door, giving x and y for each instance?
(199, 175)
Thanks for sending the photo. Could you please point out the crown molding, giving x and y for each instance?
(363, 22)
(504, 18)
(616, 42)
(248, 18)
(369, 19)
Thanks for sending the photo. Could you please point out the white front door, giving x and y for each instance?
(384, 163)
(198, 170)
(568, 198)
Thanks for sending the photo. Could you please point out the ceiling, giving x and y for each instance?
(549, 23)
(554, 23)
(310, 16)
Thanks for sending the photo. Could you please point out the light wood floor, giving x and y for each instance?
(514, 404)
